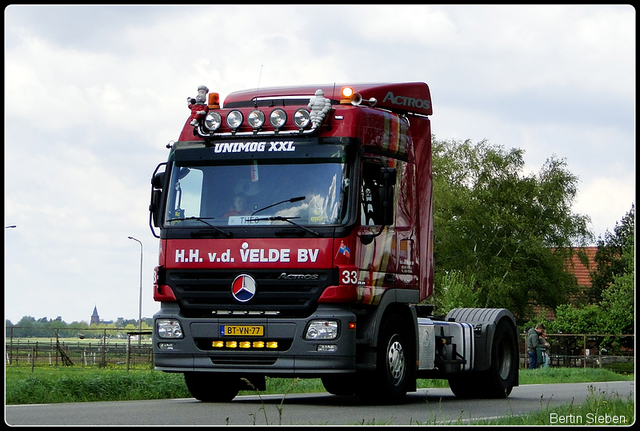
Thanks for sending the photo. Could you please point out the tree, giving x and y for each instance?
(456, 291)
(509, 232)
(608, 258)
(614, 275)
(614, 315)
(618, 298)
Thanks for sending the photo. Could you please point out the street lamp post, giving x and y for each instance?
(140, 302)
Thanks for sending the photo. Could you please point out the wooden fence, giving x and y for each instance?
(584, 350)
(113, 347)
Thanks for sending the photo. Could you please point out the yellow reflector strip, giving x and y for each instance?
(258, 344)
(272, 344)
(245, 344)
(231, 344)
(218, 344)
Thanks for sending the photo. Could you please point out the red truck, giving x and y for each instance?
(296, 240)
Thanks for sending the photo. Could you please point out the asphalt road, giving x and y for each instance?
(427, 406)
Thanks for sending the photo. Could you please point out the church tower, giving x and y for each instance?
(95, 319)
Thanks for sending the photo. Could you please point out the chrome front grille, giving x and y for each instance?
(206, 293)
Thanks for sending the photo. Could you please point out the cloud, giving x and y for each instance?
(606, 199)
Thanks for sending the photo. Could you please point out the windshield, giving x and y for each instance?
(258, 193)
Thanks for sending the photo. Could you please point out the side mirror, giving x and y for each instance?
(158, 180)
(386, 180)
(155, 206)
(388, 177)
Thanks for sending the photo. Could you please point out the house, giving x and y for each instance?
(580, 270)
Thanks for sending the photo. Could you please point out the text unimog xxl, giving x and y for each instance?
(296, 240)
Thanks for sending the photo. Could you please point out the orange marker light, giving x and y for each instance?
(347, 92)
(214, 101)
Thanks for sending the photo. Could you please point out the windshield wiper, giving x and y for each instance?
(203, 220)
(288, 220)
(292, 200)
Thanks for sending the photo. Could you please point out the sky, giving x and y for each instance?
(93, 94)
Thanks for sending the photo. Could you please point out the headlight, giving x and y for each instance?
(212, 121)
(256, 119)
(322, 330)
(234, 119)
(168, 328)
(277, 118)
(301, 118)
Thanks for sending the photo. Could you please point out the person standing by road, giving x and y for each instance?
(533, 341)
(543, 345)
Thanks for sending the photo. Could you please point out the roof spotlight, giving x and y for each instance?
(277, 118)
(301, 118)
(234, 119)
(256, 118)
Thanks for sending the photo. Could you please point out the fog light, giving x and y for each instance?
(258, 344)
(244, 344)
(231, 344)
(327, 348)
(165, 346)
(272, 344)
(322, 330)
(218, 344)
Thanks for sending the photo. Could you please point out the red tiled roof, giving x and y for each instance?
(580, 270)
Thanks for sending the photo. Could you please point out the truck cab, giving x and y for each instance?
(296, 239)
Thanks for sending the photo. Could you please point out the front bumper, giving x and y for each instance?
(294, 355)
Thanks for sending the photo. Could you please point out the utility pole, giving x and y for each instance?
(140, 302)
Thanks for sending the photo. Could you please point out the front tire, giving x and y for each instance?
(340, 384)
(390, 382)
(212, 387)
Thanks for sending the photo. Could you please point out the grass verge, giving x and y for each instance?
(48, 385)
(598, 409)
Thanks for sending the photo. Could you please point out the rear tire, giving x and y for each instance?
(502, 375)
(211, 387)
(505, 357)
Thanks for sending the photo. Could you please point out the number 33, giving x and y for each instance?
(349, 277)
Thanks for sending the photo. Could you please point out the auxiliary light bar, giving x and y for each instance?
(243, 344)
(256, 120)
